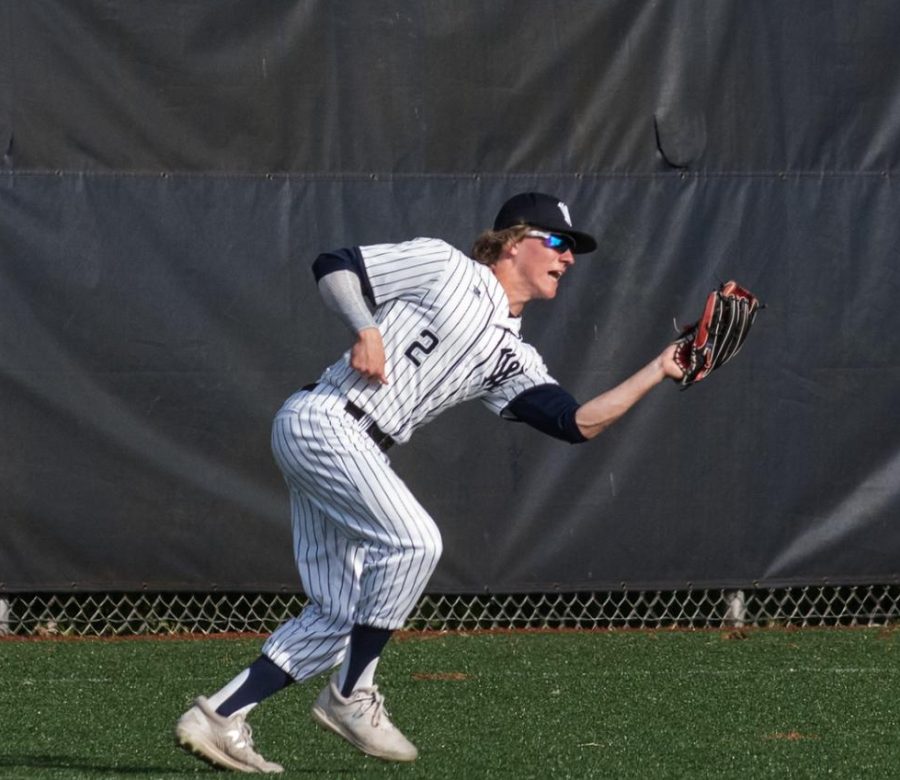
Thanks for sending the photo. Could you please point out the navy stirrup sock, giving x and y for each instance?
(366, 644)
(264, 679)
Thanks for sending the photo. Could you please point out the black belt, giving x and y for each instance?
(383, 440)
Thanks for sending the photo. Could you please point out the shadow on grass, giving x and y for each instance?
(27, 761)
(23, 764)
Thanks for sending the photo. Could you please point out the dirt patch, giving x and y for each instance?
(790, 736)
(441, 676)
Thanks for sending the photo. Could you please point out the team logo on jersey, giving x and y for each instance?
(507, 367)
(565, 212)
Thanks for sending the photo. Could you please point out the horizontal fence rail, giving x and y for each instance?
(138, 614)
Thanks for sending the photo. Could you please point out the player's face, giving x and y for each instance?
(542, 259)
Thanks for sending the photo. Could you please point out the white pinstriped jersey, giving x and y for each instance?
(448, 338)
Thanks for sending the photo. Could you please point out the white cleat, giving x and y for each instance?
(363, 721)
(226, 743)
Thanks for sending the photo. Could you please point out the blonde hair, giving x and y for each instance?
(489, 246)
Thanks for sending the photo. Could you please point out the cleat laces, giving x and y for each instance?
(371, 701)
(241, 735)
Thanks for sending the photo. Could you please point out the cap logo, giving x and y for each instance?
(565, 212)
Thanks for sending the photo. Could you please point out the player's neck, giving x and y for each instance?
(516, 297)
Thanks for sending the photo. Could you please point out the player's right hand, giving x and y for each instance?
(367, 355)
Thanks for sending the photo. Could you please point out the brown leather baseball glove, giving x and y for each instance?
(718, 335)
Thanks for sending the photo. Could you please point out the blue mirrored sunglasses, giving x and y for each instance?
(555, 241)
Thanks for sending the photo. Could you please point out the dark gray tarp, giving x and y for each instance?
(168, 171)
(435, 88)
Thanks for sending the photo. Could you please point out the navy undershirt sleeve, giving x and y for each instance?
(549, 409)
(349, 259)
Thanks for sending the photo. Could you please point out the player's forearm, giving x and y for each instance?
(599, 413)
(341, 292)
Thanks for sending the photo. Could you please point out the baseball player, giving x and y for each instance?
(433, 328)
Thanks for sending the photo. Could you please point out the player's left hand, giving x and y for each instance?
(719, 334)
(367, 355)
(669, 365)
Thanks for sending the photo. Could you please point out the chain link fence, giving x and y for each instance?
(148, 614)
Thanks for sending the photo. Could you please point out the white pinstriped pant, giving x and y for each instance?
(364, 546)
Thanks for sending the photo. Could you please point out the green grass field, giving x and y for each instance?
(760, 703)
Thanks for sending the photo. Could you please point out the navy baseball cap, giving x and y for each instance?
(546, 212)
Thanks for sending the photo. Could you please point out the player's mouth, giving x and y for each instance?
(557, 275)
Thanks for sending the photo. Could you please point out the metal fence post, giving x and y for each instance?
(5, 617)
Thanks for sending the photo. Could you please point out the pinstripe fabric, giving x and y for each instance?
(431, 295)
(364, 545)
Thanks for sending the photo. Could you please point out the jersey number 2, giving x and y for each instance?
(426, 346)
